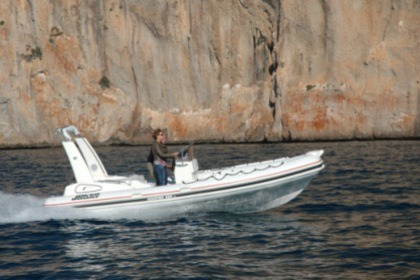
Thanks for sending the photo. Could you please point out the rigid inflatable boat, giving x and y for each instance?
(243, 188)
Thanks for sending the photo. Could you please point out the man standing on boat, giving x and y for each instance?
(160, 155)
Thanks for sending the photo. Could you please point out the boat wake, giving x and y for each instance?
(21, 208)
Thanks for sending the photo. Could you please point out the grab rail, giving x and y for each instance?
(63, 132)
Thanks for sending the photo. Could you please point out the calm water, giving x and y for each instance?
(359, 219)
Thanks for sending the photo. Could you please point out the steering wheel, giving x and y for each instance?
(184, 150)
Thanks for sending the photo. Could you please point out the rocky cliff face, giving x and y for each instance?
(239, 70)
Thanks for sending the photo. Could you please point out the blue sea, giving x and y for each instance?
(358, 219)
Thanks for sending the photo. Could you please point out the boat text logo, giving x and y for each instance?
(86, 196)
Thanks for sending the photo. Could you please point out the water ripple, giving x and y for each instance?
(358, 220)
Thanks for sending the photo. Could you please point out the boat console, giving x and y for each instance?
(186, 166)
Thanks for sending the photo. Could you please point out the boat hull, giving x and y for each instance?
(254, 199)
(242, 198)
(243, 188)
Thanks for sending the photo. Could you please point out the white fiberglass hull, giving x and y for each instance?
(238, 189)
(253, 199)
(258, 191)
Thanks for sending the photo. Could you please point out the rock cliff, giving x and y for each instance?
(239, 70)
